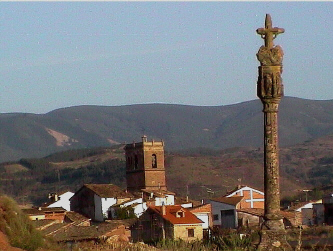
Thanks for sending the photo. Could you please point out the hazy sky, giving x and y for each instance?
(60, 54)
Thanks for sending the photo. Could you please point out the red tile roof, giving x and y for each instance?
(171, 212)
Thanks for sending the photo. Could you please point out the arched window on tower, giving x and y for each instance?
(153, 161)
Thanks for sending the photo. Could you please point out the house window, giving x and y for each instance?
(215, 217)
(153, 161)
(190, 232)
(180, 214)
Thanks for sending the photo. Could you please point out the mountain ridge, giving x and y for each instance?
(180, 126)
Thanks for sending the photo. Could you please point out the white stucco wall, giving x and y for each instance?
(128, 203)
(169, 199)
(63, 201)
(140, 209)
(106, 204)
(204, 217)
(308, 205)
(217, 207)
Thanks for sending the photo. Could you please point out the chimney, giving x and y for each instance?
(163, 209)
(144, 138)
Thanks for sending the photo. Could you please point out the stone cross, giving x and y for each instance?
(269, 33)
(270, 92)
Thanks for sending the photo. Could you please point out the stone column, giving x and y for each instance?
(270, 92)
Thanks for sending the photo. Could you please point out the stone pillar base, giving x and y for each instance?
(273, 240)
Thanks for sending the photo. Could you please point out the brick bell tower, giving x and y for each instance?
(145, 165)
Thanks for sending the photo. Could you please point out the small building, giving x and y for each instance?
(250, 217)
(204, 213)
(158, 197)
(224, 211)
(167, 222)
(94, 200)
(60, 200)
(78, 236)
(253, 198)
(306, 210)
(45, 213)
(254, 217)
(137, 205)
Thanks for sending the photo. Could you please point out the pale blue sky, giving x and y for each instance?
(60, 54)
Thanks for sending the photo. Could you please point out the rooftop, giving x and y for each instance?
(176, 214)
(229, 200)
(107, 191)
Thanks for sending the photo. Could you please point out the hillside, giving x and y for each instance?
(202, 172)
(180, 126)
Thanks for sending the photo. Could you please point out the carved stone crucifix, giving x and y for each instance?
(269, 33)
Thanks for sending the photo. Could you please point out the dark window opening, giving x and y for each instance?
(153, 161)
(190, 232)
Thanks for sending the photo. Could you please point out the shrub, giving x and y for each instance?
(17, 226)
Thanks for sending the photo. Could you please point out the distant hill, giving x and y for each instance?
(200, 172)
(25, 135)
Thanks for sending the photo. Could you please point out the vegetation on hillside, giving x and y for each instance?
(199, 172)
(42, 176)
(16, 225)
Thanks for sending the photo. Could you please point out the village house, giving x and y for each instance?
(306, 211)
(158, 197)
(45, 213)
(254, 217)
(136, 204)
(94, 200)
(225, 209)
(204, 213)
(78, 233)
(167, 222)
(253, 198)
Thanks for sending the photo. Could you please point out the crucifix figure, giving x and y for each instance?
(270, 92)
(269, 33)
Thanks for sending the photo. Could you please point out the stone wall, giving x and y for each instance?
(183, 231)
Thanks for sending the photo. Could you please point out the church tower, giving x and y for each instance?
(145, 166)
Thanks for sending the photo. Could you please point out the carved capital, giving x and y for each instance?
(269, 84)
(270, 56)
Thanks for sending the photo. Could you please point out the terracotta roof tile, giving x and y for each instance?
(74, 217)
(79, 233)
(108, 191)
(43, 210)
(171, 212)
(253, 211)
(206, 208)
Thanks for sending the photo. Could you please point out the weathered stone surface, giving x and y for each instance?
(273, 240)
(270, 92)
